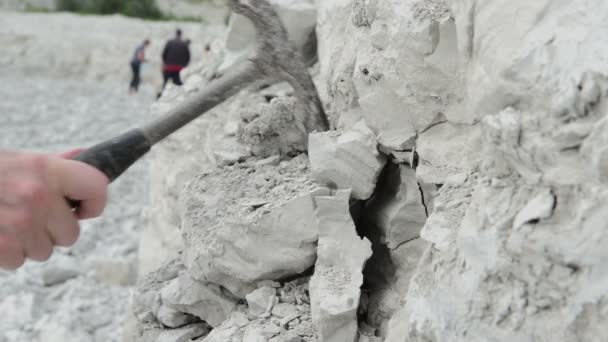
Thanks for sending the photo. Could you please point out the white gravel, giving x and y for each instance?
(44, 114)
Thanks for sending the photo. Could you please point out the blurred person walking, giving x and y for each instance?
(139, 57)
(176, 56)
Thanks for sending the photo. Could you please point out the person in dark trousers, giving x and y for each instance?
(176, 56)
(139, 57)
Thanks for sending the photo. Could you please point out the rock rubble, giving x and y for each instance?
(461, 195)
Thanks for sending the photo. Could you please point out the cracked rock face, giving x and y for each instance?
(488, 222)
(349, 160)
(335, 285)
(237, 220)
(398, 209)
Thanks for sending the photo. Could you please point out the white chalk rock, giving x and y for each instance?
(347, 161)
(335, 285)
(60, 269)
(397, 63)
(118, 272)
(447, 149)
(231, 243)
(205, 301)
(254, 335)
(184, 334)
(540, 207)
(282, 310)
(261, 300)
(172, 318)
(398, 209)
(229, 330)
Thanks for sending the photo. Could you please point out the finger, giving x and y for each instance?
(71, 153)
(27, 217)
(28, 228)
(12, 255)
(81, 182)
(62, 224)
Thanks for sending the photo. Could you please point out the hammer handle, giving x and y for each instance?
(114, 156)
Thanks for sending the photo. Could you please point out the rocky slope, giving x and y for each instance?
(460, 196)
(472, 136)
(81, 293)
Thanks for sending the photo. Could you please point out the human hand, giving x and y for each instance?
(34, 214)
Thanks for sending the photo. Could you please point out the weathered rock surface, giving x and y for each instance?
(446, 150)
(335, 285)
(491, 221)
(196, 148)
(348, 160)
(274, 128)
(184, 334)
(393, 62)
(399, 208)
(233, 242)
(261, 300)
(205, 301)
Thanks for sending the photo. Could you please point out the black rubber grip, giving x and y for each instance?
(113, 157)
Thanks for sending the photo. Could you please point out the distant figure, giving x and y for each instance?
(139, 57)
(176, 56)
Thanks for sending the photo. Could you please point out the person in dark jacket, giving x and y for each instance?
(139, 57)
(176, 56)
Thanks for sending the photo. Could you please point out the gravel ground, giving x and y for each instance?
(82, 293)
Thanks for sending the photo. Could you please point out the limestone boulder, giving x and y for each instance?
(205, 301)
(184, 334)
(346, 160)
(335, 285)
(237, 220)
(395, 61)
(447, 149)
(261, 300)
(229, 331)
(274, 128)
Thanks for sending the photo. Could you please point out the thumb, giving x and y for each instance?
(71, 153)
(82, 182)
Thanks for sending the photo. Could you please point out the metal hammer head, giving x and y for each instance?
(277, 57)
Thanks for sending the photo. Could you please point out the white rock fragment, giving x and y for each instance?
(347, 161)
(184, 334)
(229, 330)
(60, 269)
(172, 318)
(230, 244)
(335, 285)
(270, 330)
(254, 335)
(261, 300)
(118, 272)
(205, 301)
(398, 209)
(540, 207)
(447, 149)
(239, 319)
(282, 310)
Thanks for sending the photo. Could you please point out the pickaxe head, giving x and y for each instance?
(277, 57)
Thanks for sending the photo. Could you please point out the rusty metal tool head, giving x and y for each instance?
(275, 58)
